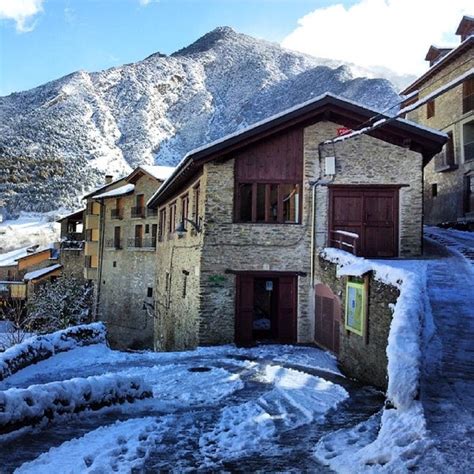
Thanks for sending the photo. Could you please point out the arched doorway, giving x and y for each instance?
(327, 318)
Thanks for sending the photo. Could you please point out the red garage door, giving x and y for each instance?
(370, 212)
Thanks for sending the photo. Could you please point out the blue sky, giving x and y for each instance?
(41, 40)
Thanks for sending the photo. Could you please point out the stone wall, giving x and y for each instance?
(178, 272)
(363, 358)
(72, 261)
(448, 205)
(126, 274)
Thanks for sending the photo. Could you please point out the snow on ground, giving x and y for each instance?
(296, 399)
(120, 447)
(29, 229)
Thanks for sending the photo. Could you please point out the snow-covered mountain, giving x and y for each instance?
(56, 140)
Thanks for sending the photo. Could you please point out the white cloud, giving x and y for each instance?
(21, 12)
(392, 33)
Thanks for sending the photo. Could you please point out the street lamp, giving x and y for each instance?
(181, 229)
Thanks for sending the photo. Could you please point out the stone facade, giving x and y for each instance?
(126, 267)
(225, 247)
(448, 186)
(363, 358)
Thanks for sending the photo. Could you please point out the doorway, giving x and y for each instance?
(265, 308)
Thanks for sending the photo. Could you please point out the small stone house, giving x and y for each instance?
(126, 244)
(449, 178)
(240, 220)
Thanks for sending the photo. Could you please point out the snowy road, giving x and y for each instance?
(447, 386)
(212, 409)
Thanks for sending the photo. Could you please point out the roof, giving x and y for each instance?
(41, 272)
(101, 188)
(76, 215)
(435, 52)
(121, 191)
(324, 107)
(453, 54)
(10, 258)
(466, 23)
(161, 173)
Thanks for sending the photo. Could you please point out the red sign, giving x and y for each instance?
(343, 131)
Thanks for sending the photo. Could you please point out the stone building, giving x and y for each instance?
(126, 245)
(449, 178)
(72, 244)
(240, 220)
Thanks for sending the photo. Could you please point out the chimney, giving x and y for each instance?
(466, 27)
(108, 178)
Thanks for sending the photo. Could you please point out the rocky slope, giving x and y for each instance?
(58, 139)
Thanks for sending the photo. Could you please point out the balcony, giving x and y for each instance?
(444, 162)
(151, 212)
(138, 211)
(113, 244)
(140, 243)
(116, 213)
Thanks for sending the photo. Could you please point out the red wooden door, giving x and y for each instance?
(371, 212)
(287, 316)
(327, 318)
(244, 310)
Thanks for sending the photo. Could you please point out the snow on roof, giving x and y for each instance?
(159, 172)
(41, 272)
(121, 191)
(72, 214)
(438, 64)
(105, 186)
(10, 258)
(271, 119)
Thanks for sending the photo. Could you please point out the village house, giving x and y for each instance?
(22, 271)
(240, 222)
(72, 244)
(122, 247)
(449, 178)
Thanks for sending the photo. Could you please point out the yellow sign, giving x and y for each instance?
(355, 307)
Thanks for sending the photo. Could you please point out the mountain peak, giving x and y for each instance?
(208, 41)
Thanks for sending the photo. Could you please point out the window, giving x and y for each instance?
(149, 292)
(117, 242)
(161, 231)
(114, 264)
(138, 236)
(268, 203)
(468, 140)
(185, 283)
(172, 218)
(468, 96)
(139, 209)
(184, 209)
(430, 109)
(197, 193)
(434, 190)
(147, 228)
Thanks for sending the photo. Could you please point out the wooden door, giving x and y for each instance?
(327, 318)
(244, 310)
(138, 235)
(371, 212)
(287, 315)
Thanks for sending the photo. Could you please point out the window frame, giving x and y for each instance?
(172, 217)
(280, 204)
(430, 109)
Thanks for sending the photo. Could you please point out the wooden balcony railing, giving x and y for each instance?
(344, 240)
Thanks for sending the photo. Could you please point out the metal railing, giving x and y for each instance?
(116, 213)
(151, 212)
(344, 240)
(138, 211)
(113, 244)
(145, 243)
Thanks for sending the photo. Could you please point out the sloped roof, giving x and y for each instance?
(162, 173)
(121, 191)
(76, 215)
(324, 107)
(41, 272)
(11, 258)
(101, 188)
(451, 55)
